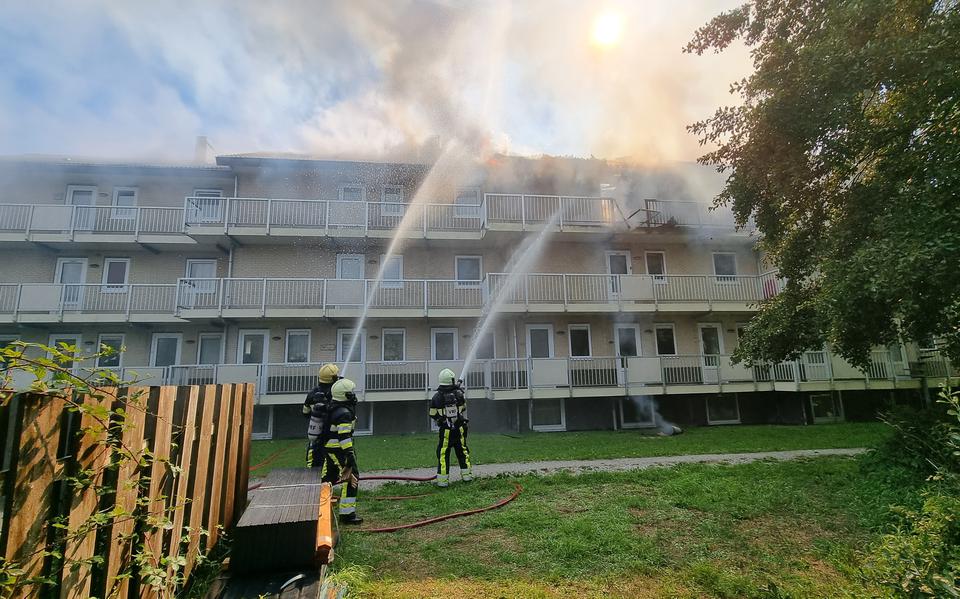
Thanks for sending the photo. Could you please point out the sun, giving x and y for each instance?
(607, 28)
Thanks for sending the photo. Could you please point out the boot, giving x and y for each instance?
(351, 519)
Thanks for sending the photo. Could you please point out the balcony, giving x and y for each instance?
(304, 218)
(58, 223)
(52, 302)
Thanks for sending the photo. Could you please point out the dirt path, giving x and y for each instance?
(618, 464)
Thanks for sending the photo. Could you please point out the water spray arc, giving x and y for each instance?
(522, 259)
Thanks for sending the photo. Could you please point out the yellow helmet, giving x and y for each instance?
(343, 390)
(447, 377)
(329, 373)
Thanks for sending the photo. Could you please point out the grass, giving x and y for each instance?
(413, 451)
(765, 529)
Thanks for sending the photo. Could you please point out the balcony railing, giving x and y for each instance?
(112, 299)
(329, 216)
(101, 220)
(536, 210)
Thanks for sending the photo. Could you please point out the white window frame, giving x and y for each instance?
(456, 271)
(200, 345)
(106, 287)
(68, 198)
(153, 347)
(123, 341)
(725, 279)
(549, 327)
(636, 332)
(623, 421)
(837, 402)
(343, 187)
(119, 212)
(202, 213)
(466, 210)
(706, 407)
(207, 193)
(493, 339)
(392, 283)
(613, 284)
(269, 434)
(656, 344)
(392, 208)
(659, 279)
(363, 264)
(383, 344)
(286, 345)
(366, 432)
(266, 344)
(77, 297)
(433, 343)
(579, 327)
(343, 347)
(549, 428)
(709, 325)
(79, 345)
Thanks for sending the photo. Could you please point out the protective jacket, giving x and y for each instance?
(320, 393)
(448, 408)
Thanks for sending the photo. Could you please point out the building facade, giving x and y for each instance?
(258, 268)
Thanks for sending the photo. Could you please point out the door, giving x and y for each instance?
(627, 340)
(71, 274)
(711, 346)
(253, 347)
(72, 340)
(350, 266)
(165, 349)
(205, 206)
(211, 349)
(200, 288)
(344, 339)
(84, 197)
(443, 344)
(618, 263)
(539, 341)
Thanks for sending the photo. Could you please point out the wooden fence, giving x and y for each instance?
(56, 528)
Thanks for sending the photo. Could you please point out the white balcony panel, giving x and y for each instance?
(643, 371)
(346, 292)
(549, 372)
(41, 297)
(51, 218)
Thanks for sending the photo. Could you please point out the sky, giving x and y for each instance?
(358, 78)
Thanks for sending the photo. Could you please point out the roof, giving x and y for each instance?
(266, 158)
(87, 161)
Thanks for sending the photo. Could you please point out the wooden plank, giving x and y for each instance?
(37, 470)
(219, 460)
(325, 525)
(181, 496)
(128, 480)
(243, 480)
(93, 454)
(159, 473)
(200, 468)
(233, 454)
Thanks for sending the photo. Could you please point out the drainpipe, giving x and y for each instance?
(236, 185)
(230, 263)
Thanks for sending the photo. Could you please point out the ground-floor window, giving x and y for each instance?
(364, 424)
(262, 422)
(723, 409)
(548, 415)
(637, 412)
(826, 407)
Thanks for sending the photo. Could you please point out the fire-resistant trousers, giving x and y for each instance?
(453, 438)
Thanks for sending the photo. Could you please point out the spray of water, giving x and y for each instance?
(451, 160)
(522, 259)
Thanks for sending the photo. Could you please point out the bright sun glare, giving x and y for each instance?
(606, 29)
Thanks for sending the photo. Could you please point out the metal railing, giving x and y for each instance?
(88, 298)
(105, 220)
(533, 211)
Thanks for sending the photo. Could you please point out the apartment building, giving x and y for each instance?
(257, 268)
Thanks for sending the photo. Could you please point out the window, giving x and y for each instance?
(211, 349)
(725, 267)
(165, 349)
(657, 266)
(205, 206)
(392, 272)
(392, 199)
(637, 412)
(443, 344)
(468, 203)
(115, 343)
(486, 350)
(73, 340)
(628, 340)
(350, 266)
(208, 193)
(826, 408)
(666, 345)
(547, 415)
(262, 422)
(579, 340)
(298, 346)
(539, 341)
(364, 419)
(6, 342)
(254, 346)
(469, 271)
(618, 263)
(115, 272)
(711, 344)
(394, 345)
(352, 193)
(124, 202)
(344, 338)
(84, 197)
(723, 409)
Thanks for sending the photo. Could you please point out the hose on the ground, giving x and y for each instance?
(499, 504)
(419, 479)
(268, 460)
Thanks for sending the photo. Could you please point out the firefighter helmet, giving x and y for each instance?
(447, 377)
(329, 373)
(343, 390)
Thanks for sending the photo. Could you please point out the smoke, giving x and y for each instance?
(358, 79)
(646, 412)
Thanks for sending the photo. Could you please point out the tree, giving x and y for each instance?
(846, 152)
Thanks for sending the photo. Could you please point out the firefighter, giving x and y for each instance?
(448, 409)
(340, 460)
(316, 407)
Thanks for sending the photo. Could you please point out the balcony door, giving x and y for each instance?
(84, 197)
(201, 286)
(711, 346)
(253, 347)
(539, 340)
(71, 273)
(443, 344)
(627, 340)
(205, 206)
(618, 263)
(72, 340)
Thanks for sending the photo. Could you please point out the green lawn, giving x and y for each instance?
(412, 451)
(765, 529)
